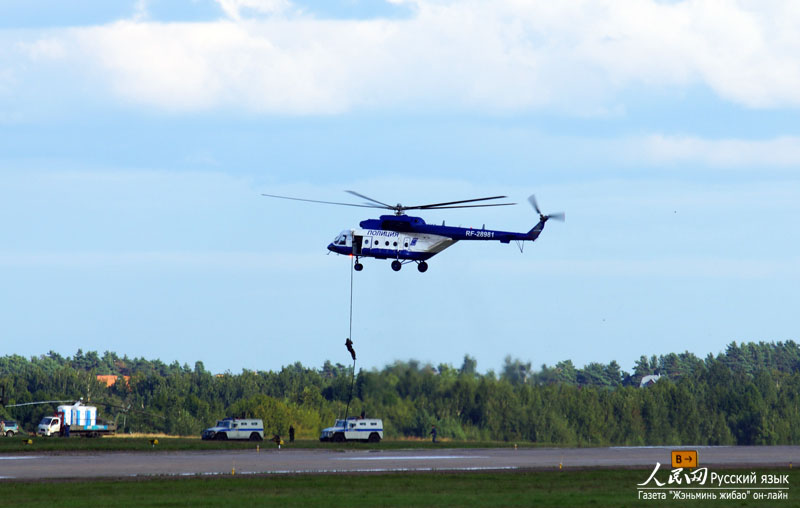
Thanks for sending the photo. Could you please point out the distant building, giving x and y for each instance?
(649, 380)
(111, 379)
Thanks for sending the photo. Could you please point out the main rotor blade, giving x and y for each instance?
(557, 216)
(354, 193)
(461, 206)
(316, 201)
(437, 205)
(42, 402)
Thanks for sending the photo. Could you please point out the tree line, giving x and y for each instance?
(748, 394)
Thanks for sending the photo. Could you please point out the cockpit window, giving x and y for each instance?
(341, 239)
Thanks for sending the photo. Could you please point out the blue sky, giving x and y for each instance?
(136, 139)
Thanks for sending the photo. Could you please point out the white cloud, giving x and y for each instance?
(43, 49)
(477, 55)
(234, 8)
(241, 261)
(6, 80)
(200, 66)
(782, 151)
(687, 268)
(140, 10)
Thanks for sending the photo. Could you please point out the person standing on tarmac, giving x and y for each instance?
(433, 433)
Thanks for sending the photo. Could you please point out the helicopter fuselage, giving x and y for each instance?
(405, 238)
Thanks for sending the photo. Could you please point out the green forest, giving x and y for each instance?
(749, 394)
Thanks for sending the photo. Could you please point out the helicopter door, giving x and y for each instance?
(357, 245)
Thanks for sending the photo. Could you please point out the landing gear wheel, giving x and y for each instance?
(396, 265)
(358, 267)
(422, 267)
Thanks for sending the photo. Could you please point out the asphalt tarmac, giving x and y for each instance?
(269, 460)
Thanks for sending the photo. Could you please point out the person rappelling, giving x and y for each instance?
(349, 345)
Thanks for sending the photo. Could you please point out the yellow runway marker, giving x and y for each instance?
(684, 458)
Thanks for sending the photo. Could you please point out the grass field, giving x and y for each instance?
(613, 488)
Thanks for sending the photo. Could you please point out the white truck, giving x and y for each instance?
(236, 428)
(79, 419)
(354, 429)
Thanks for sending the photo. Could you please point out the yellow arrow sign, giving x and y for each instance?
(684, 458)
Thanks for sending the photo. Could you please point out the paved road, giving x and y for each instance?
(293, 461)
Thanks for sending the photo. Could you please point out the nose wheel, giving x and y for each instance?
(358, 266)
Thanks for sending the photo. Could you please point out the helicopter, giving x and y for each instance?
(407, 239)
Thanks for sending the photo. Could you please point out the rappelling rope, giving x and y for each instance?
(351, 298)
(350, 337)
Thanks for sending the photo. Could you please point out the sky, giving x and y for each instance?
(136, 139)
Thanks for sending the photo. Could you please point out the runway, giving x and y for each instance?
(299, 461)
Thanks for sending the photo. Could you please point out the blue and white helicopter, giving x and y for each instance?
(408, 239)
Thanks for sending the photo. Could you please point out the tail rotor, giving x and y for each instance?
(559, 216)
